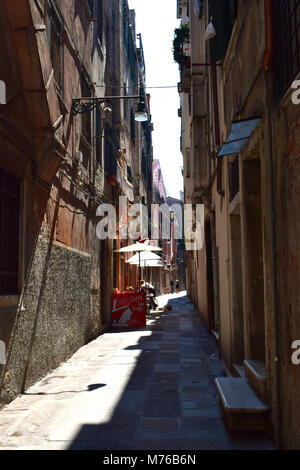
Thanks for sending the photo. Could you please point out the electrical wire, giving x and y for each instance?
(131, 87)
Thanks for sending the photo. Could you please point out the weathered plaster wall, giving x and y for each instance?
(286, 131)
(54, 319)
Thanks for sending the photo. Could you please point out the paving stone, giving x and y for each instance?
(164, 389)
(160, 424)
(158, 444)
(164, 407)
(163, 367)
(203, 427)
(173, 346)
(138, 382)
(157, 393)
(168, 357)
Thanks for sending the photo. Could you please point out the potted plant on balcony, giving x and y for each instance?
(181, 47)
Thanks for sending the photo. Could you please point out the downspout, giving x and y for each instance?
(267, 70)
(217, 128)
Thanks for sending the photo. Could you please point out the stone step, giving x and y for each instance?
(243, 410)
(238, 370)
(256, 374)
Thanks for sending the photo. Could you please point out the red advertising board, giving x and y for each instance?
(129, 309)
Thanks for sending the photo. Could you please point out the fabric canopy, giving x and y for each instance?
(151, 263)
(238, 137)
(138, 247)
(143, 256)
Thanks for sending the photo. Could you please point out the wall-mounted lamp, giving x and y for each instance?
(141, 114)
(78, 157)
(85, 105)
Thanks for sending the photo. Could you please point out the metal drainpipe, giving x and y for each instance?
(266, 66)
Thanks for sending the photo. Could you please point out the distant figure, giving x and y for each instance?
(142, 287)
(172, 286)
(177, 286)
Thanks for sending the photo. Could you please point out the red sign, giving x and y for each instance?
(129, 309)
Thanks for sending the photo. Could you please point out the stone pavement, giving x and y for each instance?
(150, 389)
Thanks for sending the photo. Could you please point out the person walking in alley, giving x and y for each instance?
(177, 286)
(172, 286)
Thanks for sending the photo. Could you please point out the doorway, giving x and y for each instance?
(253, 261)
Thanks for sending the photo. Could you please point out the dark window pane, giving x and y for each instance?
(9, 232)
(287, 44)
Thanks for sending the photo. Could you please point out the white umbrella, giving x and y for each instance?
(143, 256)
(150, 263)
(138, 247)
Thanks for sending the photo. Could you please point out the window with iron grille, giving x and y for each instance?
(54, 38)
(287, 44)
(9, 233)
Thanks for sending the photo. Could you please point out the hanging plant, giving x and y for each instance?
(180, 43)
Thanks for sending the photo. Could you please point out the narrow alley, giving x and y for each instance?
(145, 389)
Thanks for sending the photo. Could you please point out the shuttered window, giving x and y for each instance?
(54, 38)
(111, 146)
(9, 233)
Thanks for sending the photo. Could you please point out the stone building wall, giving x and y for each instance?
(57, 307)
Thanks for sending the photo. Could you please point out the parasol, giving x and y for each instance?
(139, 248)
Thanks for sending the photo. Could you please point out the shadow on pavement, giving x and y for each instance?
(90, 388)
(170, 401)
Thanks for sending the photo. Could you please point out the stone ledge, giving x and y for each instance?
(255, 371)
(243, 410)
(238, 397)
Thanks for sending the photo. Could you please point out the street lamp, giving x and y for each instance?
(88, 104)
(85, 105)
(141, 114)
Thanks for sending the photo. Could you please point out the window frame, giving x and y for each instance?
(54, 21)
(286, 46)
(13, 297)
